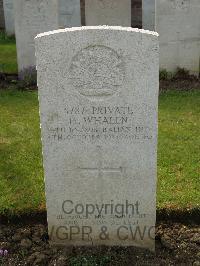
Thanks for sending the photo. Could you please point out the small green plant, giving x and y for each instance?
(6, 38)
(23, 253)
(165, 75)
(2, 75)
(182, 73)
(90, 260)
(2, 67)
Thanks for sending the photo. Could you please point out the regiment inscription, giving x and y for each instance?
(103, 122)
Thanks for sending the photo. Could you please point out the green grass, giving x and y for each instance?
(179, 150)
(8, 56)
(21, 173)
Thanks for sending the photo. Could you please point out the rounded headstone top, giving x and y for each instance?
(104, 27)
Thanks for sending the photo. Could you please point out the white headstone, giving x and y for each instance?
(148, 14)
(69, 13)
(9, 17)
(32, 17)
(98, 93)
(108, 12)
(178, 23)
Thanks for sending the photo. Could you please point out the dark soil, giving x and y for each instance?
(11, 81)
(7, 80)
(180, 80)
(180, 84)
(27, 244)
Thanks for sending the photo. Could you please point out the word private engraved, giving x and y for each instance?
(97, 72)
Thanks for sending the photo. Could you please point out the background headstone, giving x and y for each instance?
(108, 12)
(2, 21)
(148, 15)
(136, 16)
(32, 17)
(178, 24)
(69, 13)
(98, 93)
(9, 17)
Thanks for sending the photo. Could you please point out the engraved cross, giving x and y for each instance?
(100, 169)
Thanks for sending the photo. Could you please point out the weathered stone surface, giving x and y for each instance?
(9, 17)
(148, 14)
(32, 17)
(69, 13)
(108, 12)
(98, 92)
(178, 23)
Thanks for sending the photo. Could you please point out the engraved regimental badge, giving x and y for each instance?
(97, 72)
